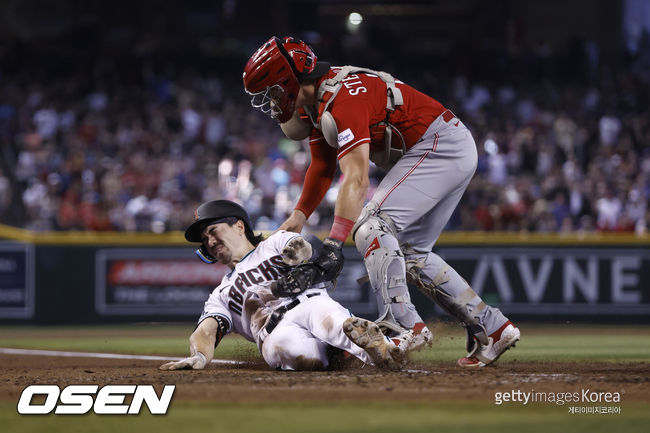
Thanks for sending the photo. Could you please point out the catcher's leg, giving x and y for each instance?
(489, 332)
(420, 194)
(376, 241)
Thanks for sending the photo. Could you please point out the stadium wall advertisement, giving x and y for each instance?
(52, 282)
(557, 280)
(16, 281)
(521, 281)
(151, 282)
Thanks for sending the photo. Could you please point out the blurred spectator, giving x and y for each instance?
(608, 208)
(5, 194)
(132, 150)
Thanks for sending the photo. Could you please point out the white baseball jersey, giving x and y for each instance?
(245, 301)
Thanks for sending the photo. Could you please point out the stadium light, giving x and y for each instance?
(355, 18)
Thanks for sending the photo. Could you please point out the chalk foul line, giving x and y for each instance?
(11, 351)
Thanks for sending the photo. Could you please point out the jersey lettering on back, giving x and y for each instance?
(354, 84)
(361, 102)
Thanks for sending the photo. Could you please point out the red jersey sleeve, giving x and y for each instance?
(352, 118)
(320, 173)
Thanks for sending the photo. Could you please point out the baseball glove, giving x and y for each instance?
(296, 281)
(330, 261)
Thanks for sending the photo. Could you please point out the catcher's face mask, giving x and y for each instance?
(268, 101)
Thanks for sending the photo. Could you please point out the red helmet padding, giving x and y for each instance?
(304, 59)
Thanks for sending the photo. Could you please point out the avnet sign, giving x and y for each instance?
(558, 281)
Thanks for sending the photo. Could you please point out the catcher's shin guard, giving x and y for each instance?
(375, 240)
(451, 292)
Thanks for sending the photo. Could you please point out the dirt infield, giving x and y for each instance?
(255, 382)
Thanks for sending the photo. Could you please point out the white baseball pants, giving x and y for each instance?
(300, 340)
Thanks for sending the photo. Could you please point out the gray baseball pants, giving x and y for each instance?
(419, 194)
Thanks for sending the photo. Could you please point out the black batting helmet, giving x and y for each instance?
(211, 213)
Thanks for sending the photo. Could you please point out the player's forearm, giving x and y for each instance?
(295, 222)
(203, 338)
(202, 344)
(354, 187)
(318, 178)
(351, 197)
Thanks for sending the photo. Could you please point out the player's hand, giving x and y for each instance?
(296, 281)
(330, 261)
(195, 362)
(295, 222)
(297, 251)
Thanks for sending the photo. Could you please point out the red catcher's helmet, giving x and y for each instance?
(273, 75)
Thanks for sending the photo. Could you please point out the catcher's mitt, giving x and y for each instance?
(296, 281)
(330, 261)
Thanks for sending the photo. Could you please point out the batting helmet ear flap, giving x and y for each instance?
(203, 254)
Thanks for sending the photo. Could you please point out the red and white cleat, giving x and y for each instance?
(413, 339)
(499, 341)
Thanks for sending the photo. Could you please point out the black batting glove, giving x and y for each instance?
(330, 260)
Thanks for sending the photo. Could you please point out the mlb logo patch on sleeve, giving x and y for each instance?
(345, 137)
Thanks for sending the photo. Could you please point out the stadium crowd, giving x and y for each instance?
(111, 154)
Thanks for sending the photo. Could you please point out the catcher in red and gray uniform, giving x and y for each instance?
(356, 115)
